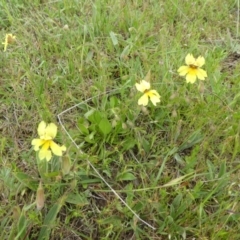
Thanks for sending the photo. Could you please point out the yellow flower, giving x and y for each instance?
(144, 87)
(47, 133)
(9, 38)
(193, 69)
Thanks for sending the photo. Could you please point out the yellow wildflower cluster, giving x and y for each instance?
(192, 71)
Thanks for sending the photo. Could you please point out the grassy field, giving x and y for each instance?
(169, 171)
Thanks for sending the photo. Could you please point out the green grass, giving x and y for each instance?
(175, 165)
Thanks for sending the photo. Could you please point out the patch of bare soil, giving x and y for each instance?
(230, 63)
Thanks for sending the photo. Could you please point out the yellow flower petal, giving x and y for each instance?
(154, 97)
(47, 132)
(183, 70)
(191, 78)
(48, 155)
(154, 100)
(45, 154)
(153, 93)
(143, 100)
(201, 74)
(56, 149)
(142, 86)
(37, 143)
(41, 128)
(189, 59)
(46, 145)
(51, 130)
(200, 61)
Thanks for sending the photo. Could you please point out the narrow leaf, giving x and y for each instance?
(126, 176)
(78, 199)
(50, 219)
(26, 180)
(83, 129)
(113, 38)
(192, 140)
(148, 76)
(176, 181)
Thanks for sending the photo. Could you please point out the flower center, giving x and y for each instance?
(146, 91)
(193, 66)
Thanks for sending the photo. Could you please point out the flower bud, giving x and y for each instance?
(66, 165)
(40, 198)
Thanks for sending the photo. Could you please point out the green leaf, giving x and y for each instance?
(52, 174)
(89, 113)
(90, 138)
(138, 207)
(26, 180)
(125, 52)
(192, 140)
(81, 120)
(96, 117)
(177, 200)
(89, 181)
(146, 145)
(83, 129)
(105, 126)
(22, 227)
(50, 219)
(179, 159)
(78, 199)
(113, 220)
(126, 176)
(211, 169)
(222, 170)
(113, 101)
(128, 143)
(113, 38)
